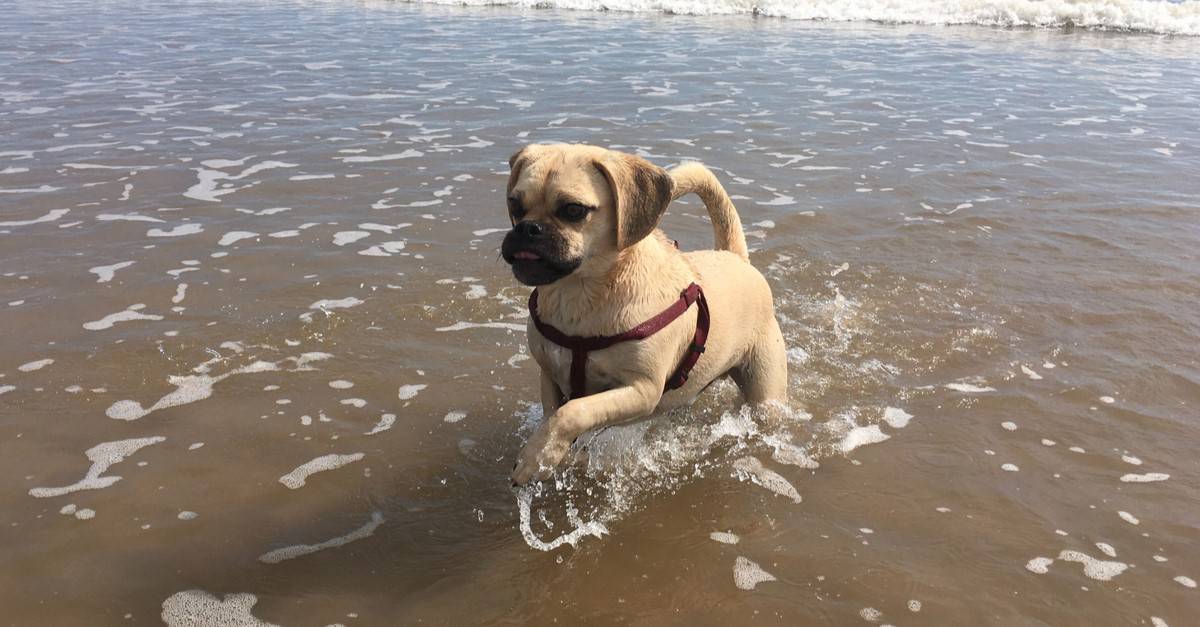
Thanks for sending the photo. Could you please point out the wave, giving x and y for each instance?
(1148, 16)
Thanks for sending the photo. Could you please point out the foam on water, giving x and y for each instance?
(1099, 570)
(179, 231)
(233, 237)
(35, 365)
(299, 550)
(593, 528)
(385, 422)
(862, 436)
(750, 468)
(105, 273)
(748, 574)
(197, 608)
(461, 326)
(129, 315)
(199, 386)
(102, 456)
(49, 217)
(1149, 477)
(1124, 15)
(1039, 565)
(407, 392)
(969, 388)
(296, 479)
(896, 418)
(724, 537)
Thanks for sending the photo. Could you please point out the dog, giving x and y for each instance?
(618, 311)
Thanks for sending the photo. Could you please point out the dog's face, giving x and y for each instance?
(575, 207)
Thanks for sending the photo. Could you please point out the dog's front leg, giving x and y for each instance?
(552, 397)
(546, 449)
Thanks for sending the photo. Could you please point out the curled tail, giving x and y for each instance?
(693, 177)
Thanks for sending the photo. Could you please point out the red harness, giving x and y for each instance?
(581, 346)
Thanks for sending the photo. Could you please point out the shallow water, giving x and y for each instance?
(258, 341)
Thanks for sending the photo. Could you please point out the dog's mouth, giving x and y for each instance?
(533, 265)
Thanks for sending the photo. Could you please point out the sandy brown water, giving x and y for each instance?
(236, 238)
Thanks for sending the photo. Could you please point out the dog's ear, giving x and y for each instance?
(515, 163)
(640, 191)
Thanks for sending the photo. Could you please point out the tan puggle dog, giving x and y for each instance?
(585, 230)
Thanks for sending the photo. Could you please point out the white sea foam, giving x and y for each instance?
(206, 187)
(862, 436)
(130, 314)
(581, 529)
(296, 479)
(1124, 15)
(199, 386)
(197, 608)
(460, 326)
(407, 154)
(233, 237)
(969, 388)
(1039, 565)
(748, 574)
(126, 217)
(750, 468)
(1099, 570)
(325, 305)
(49, 217)
(299, 550)
(35, 365)
(179, 231)
(724, 537)
(102, 456)
(385, 422)
(105, 273)
(385, 249)
(896, 418)
(341, 238)
(410, 391)
(1145, 478)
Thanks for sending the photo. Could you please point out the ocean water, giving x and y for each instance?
(260, 362)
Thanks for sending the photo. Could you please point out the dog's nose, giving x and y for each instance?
(529, 229)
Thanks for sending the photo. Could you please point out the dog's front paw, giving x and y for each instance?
(542, 453)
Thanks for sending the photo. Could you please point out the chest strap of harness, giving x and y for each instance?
(581, 346)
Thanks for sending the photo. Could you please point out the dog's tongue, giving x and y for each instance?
(525, 255)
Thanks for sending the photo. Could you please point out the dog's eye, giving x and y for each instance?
(572, 212)
(515, 208)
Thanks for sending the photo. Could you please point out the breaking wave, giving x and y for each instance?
(1147, 16)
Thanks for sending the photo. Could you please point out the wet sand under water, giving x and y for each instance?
(258, 341)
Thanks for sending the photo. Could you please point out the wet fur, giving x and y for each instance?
(627, 272)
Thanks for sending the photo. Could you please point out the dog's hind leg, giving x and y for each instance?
(763, 377)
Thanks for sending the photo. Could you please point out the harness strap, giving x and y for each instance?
(581, 346)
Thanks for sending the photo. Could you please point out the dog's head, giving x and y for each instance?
(574, 206)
